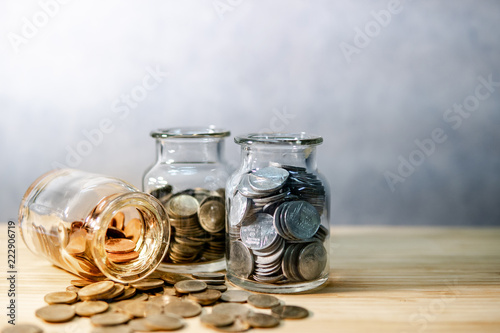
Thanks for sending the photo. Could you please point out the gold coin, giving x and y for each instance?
(117, 220)
(190, 286)
(147, 284)
(57, 313)
(96, 289)
(117, 291)
(109, 319)
(22, 328)
(205, 297)
(263, 301)
(182, 308)
(129, 292)
(119, 245)
(121, 258)
(217, 319)
(77, 242)
(164, 322)
(81, 283)
(90, 308)
(212, 215)
(61, 297)
(73, 289)
(262, 320)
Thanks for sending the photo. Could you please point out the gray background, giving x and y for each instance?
(237, 64)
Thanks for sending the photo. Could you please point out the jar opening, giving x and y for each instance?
(298, 139)
(190, 132)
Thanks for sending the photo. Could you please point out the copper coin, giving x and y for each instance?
(129, 292)
(81, 283)
(61, 297)
(96, 289)
(113, 232)
(57, 313)
(121, 258)
(119, 245)
(133, 229)
(118, 221)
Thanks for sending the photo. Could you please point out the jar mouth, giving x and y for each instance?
(190, 132)
(296, 139)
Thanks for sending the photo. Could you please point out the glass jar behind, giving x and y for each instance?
(94, 226)
(278, 215)
(189, 178)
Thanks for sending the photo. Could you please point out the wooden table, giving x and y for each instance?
(383, 279)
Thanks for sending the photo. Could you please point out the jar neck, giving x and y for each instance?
(189, 150)
(260, 155)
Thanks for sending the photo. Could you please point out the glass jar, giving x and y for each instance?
(189, 178)
(278, 215)
(94, 226)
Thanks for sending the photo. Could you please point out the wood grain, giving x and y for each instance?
(383, 279)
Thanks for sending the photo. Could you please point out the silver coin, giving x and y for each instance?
(312, 261)
(273, 257)
(301, 219)
(268, 179)
(238, 209)
(240, 260)
(245, 189)
(258, 232)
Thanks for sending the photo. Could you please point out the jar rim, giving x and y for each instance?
(296, 139)
(190, 132)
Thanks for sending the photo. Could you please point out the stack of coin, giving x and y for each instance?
(144, 307)
(197, 220)
(274, 226)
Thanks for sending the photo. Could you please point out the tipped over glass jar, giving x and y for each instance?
(278, 215)
(94, 226)
(189, 177)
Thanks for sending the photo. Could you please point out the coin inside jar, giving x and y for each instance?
(119, 245)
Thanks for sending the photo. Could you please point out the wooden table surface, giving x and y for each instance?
(382, 279)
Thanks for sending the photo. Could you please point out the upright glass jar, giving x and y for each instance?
(189, 178)
(94, 226)
(278, 215)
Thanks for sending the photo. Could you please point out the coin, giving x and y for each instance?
(135, 308)
(96, 289)
(81, 283)
(312, 261)
(301, 219)
(127, 294)
(206, 297)
(133, 229)
(263, 301)
(90, 308)
(22, 328)
(238, 208)
(118, 220)
(290, 312)
(222, 288)
(72, 288)
(121, 258)
(182, 206)
(182, 308)
(162, 300)
(234, 309)
(117, 291)
(239, 325)
(77, 242)
(165, 322)
(240, 262)
(190, 286)
(217, 319)
(113, 232)
(235, 296)
(57, 313)
(61, 297)
(262, 320)
(209, 276)
(119, 245)
(109, 319)
(212, 215)
(147, 284)
(138, 325)
(258, 232)
(268, 179)
(173, 278)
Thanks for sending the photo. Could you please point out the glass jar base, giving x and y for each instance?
(289, 288)
(212, 266)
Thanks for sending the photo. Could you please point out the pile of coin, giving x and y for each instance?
(274, 225)
(68, 244)
(162, 302)
(197, 220)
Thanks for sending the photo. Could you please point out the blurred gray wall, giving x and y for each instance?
(405, 93)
